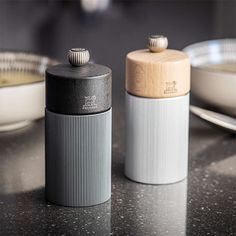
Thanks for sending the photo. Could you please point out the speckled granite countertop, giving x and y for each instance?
(203, 204)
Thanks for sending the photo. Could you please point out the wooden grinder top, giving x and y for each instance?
(157, 72)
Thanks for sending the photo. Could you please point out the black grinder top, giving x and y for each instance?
(79, 87)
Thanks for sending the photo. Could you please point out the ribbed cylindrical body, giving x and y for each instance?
(78, 132)
(78, 163)
(156, 139)
(157, 113)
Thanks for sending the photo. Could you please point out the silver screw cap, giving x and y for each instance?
(78, 56)
(157, 43)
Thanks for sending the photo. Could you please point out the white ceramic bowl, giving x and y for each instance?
(20, 104)
(214, 87)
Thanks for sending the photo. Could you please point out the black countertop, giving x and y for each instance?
(203, 204)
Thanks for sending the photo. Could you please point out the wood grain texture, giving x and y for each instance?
(157, 75)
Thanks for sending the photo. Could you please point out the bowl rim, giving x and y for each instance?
(197, 45)
(50, 61)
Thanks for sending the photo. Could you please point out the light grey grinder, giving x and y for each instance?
(78, 132)
(157, 113)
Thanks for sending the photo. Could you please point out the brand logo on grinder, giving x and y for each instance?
(89, 102)
(170, 87)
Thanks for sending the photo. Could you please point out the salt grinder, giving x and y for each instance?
(78, 131)
(157, 113)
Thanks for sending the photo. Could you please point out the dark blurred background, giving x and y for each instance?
(111, 28)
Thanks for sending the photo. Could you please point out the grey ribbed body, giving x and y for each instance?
(78, 158)
(156, 139)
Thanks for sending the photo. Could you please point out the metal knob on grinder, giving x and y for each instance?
(78, 56)
(157, 43)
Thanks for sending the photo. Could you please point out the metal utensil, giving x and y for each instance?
(215, 118)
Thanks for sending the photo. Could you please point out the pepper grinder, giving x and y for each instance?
(157, 113)
(78, 131)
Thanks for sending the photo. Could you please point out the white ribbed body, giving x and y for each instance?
(156, 139)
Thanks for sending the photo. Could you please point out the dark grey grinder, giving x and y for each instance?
(78, 132)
